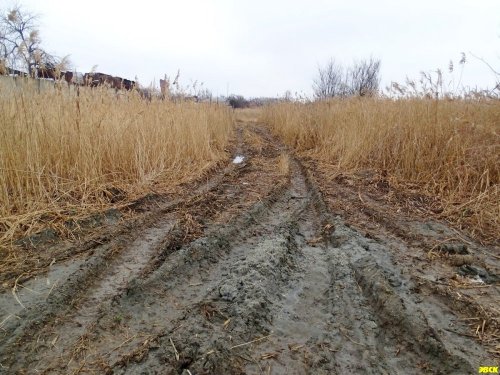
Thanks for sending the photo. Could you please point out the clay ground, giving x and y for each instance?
(276, 265)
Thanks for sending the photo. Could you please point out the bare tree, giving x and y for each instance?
(360, 79)
(364, 77)
(20, 39)
(330, 81)
(20, 44)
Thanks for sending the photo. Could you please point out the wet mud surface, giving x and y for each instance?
(268, 266)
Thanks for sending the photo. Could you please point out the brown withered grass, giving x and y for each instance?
(63, 154)
(449, 148)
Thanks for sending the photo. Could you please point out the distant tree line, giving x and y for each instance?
(362, 78)
(238, 101)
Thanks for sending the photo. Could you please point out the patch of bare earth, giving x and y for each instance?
(265, 267)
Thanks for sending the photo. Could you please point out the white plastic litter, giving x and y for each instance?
(477, 280)
(238, 159)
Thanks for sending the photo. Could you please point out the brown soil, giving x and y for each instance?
(275, 265)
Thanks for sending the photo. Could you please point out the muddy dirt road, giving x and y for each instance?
(267, 266)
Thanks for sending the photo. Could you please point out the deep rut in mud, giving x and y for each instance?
(249, 274)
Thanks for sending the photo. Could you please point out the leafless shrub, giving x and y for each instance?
(330, 82)
(364, 78)
(335, 80)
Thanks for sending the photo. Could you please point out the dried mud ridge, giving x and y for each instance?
(249, 274)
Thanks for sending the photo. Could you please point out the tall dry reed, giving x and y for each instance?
(63, 153)
(450, 148)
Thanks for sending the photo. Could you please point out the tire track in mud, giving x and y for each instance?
(428, 254)
(93, 255)
(89, 289)
(282, 287)
(286, 295)
(219, 290)
(105, 276)
(123, 268)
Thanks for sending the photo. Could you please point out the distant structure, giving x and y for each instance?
(13, 72)
(73, 78)
(102, 79)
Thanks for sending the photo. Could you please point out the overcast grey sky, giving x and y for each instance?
(263, 48)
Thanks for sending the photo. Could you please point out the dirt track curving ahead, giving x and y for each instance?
(269, 266)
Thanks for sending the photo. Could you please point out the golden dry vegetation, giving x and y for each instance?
(62, 155)
(449, 149)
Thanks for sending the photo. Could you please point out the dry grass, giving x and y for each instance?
(284, 164)
(446, 148)
(63, 154)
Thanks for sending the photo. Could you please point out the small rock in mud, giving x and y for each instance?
(108, 217)
(43, 238)
(340, 236)
(470, 270)
(228, 292)
(453, 248)
(114, 194)
(394, 282)
(460, 260)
